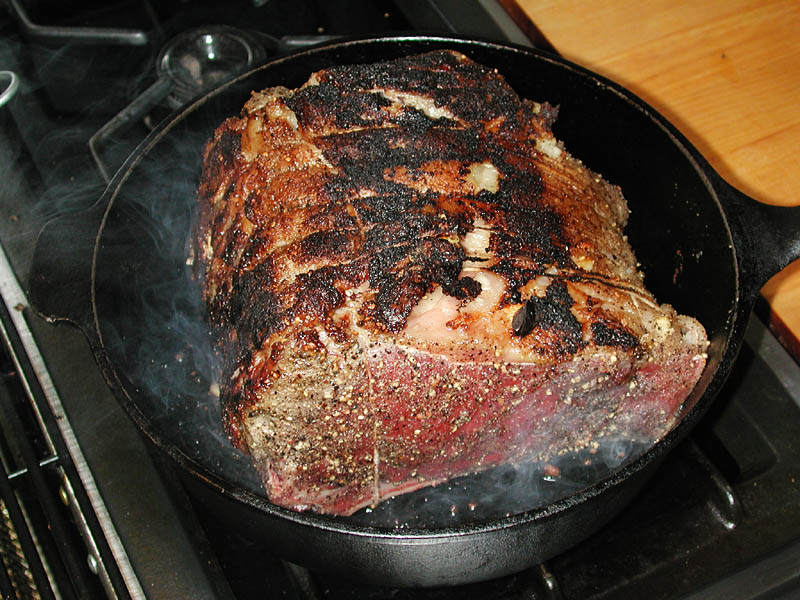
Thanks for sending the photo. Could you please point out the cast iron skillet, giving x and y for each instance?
(118, 272)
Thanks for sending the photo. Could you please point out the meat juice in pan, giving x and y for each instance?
(413, 281)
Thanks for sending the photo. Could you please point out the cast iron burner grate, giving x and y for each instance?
(43, 554)
(52, 542)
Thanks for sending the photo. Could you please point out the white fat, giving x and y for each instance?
(421, 103)
(492, 288)
(208, 248)
(349, 313)
(692, 332)
(428, 319)
(661, 329)
(483, 176)
(536, 287)
(278, 111)
(583, 262)
(253, 143)
(259, 100)
(431, 318)
(476, 241)
(331, 346)
(549, 147)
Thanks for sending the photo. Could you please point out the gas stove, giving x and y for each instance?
(89, 512)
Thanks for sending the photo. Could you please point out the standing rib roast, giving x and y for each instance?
(414, 280)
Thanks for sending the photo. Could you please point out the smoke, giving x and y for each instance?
(68, 91)
(508, 489)
(150, 306)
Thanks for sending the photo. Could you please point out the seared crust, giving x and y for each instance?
(415, 206)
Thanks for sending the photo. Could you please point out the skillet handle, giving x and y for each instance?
(60, 284)
(767, 237)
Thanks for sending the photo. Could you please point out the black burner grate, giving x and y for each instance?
(50, 545)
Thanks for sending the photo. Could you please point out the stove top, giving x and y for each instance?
(721, 518)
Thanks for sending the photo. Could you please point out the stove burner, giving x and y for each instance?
(199, 59)
(191, 63)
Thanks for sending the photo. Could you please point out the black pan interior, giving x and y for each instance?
(147, 308)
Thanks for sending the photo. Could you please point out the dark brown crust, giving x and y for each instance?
(412, 224)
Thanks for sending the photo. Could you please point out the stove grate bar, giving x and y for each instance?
(57, 498)
(24, 574)
(46, 545)
(302, 580)
(722, 500)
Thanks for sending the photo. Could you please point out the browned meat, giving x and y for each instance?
(416, 281)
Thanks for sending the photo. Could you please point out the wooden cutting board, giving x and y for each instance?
(725, 72)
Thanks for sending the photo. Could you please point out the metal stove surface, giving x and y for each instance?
(721, 519)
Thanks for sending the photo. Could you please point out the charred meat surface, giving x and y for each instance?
(415, 281)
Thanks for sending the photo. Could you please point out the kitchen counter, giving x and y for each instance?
(725, 72)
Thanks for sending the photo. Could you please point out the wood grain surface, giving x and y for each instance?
(725, 72)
